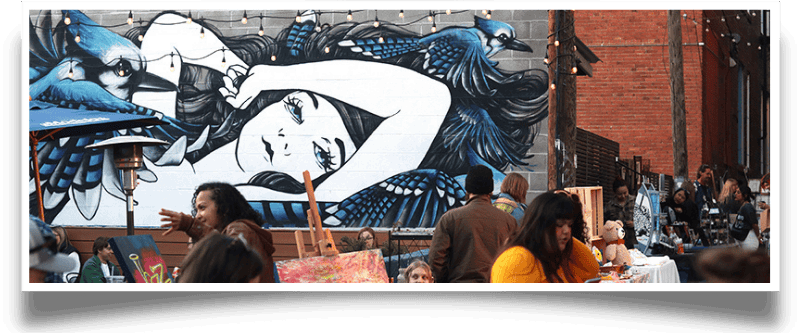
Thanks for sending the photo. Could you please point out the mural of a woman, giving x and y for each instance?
(386, 140)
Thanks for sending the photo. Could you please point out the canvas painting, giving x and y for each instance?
(352, 267)
(140, 260)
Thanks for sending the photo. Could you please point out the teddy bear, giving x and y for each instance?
(615, 251)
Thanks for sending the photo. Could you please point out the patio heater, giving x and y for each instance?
(127, 151)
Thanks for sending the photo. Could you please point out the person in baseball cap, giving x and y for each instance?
(43, 255)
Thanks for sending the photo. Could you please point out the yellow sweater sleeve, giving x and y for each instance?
(517, 265)
(582, 262)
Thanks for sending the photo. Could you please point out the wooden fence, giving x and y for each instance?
(597, 157)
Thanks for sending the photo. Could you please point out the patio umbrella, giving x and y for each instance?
(49, 122)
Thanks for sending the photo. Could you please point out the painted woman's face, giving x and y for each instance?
(301, 132)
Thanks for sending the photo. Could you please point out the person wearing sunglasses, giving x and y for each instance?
(44, 257)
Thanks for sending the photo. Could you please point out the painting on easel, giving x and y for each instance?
(352, 267)
(140, 260)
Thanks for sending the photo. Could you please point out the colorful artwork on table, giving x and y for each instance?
(140, 260)
(351, 267)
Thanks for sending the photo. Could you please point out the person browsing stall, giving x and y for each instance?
(704, 189)
(512, 195)
(620, 208)
(466, 239)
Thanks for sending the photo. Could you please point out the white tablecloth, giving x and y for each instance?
(666, 272)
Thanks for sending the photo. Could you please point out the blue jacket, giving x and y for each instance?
(507, 204)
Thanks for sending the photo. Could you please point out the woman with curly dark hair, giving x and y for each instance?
(543, 249)
(220, 208)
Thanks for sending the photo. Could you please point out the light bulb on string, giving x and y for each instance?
(202, 32)
(121, 69)
(433, 27)
(349, 15)
(297, 17)
(244, 17)
(189, 18)
(261, 29)
(430, 16)
(223, 58)
(401, 14)
(484, 12)
(273, 58)
(448, 12)
(67, 20)
(737, 17)
(327, 49)
(130, 17)
(489, 15)
(553, 85)
(708, 20)
(556, 43)
(171, 62)
(317, 27)
(376, 23)
(78, 37)
(722, 19)
(754, 13)
(70, 73)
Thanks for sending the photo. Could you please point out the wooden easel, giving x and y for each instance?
(322, 240)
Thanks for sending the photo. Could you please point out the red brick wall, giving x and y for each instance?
(628, 98)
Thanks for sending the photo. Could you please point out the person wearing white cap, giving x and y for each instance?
(43, 255)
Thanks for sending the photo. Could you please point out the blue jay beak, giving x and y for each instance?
(155, 83)
(518, 46)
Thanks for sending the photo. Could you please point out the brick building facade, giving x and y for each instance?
(628, 98)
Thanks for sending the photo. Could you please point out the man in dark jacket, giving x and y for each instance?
(466, 239)
(99, 266)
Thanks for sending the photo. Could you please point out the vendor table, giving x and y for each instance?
(667, 272)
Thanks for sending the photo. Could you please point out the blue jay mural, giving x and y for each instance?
(388, 129)
(458, 55)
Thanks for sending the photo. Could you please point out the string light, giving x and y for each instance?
(380, 39)
(430, 16)
(349, 15)
(260, 27)
(244, 17)
(78, 37)
(448, 12)
(67, 20)
(433, 27)
(317, 27)
(737, 16)
(223, 58)
(327, 49)
(489, 15)
(141, 36)
(202, 32)
(189, 18)
(121, 69)
(171, 62)
(556, 43)
(553, 85)
(484, 12)
(273, 58)
(401, 15)
(130, 17)
(376, 23)
(297, 17)
(70, 74)
(722, 19)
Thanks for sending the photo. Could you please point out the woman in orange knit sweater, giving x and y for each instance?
(543, 249)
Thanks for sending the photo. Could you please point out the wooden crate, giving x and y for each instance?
(592, 201)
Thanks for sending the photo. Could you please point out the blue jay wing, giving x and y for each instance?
(390, 47)
(298, 35)
(471, 126)
(412, 199)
